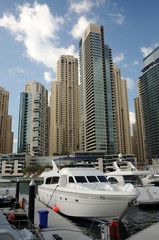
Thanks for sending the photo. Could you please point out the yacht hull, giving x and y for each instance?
(101, 205)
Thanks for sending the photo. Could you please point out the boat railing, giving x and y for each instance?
(93, 186)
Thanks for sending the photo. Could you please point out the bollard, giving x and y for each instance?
(17, 193)
(31, 202)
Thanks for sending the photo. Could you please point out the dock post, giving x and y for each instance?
(17, 193)
(31, 202)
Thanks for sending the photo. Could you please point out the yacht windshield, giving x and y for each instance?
(80, 179)
(135, 180)
(102, 178)
(92, 179)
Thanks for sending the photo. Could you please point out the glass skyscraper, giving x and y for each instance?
(149, 92)
(96, 92)
(34, 120)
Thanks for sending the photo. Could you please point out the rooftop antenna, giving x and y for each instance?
(120, 156)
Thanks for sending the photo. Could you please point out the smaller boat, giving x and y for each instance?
(7, 197)
(122, 172)
(11, 233)
(84, 192)
(153, 177)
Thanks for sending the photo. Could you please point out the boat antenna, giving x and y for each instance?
(54, 166)
(120, 157)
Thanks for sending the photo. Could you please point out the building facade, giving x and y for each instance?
(140, 139)
(33, 131)
(6, 134)
(97, 92)
(12, 165)
(65, 108)
(123, 132)
(149, 94)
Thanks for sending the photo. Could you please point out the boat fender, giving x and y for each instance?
(12, 216)
(55, 209)
(22, 203)
(114, 230)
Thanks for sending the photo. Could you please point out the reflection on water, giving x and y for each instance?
(24, 186)
(137, 219)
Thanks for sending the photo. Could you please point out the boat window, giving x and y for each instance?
(135, 180)
(71, 180)
(48, 180)
(92, 179)
(55, 180)
(112, 180)
(102, 178)
(80, 179)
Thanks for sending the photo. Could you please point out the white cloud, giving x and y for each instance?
(119, 58)
(125, 65)
(146, 50)
(132, 117)
(16, 70)
(117, 18)
(81, 6)
(37, 28)
(136, 63)
(15, 140)
(130, 83)
(79, 28)
(48, 77)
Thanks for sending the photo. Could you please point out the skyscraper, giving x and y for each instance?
(65, 108)
(6, 134)
(34, 120)
(141, 153)
(149, 94)
(97, 92)
(122, 109)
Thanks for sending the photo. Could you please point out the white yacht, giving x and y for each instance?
(122, 172)
(153, 177)
(84, 192)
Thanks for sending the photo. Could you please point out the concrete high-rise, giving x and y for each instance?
(65, 108)
(97, 92)
(6, 134)
(141, 152)
(33, 131)
(149, 94)
(123, 132)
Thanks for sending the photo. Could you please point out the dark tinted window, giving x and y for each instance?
(135, 180)
(80, 179)
(92, 179)
(48, 180)
(55, 180)
(102, 179)
(71, 180)
(112, 180)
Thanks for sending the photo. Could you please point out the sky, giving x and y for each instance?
(34, 34)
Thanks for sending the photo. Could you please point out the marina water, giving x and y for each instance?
(135, 219)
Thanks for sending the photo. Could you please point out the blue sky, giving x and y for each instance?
(33, 34)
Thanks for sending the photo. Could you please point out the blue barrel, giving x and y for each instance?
(43, 217)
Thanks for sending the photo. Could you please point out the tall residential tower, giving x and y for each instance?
(33, 132)
(65, 108)
(149, 95)
(6, 134)
(97, 92)
(122, 109)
